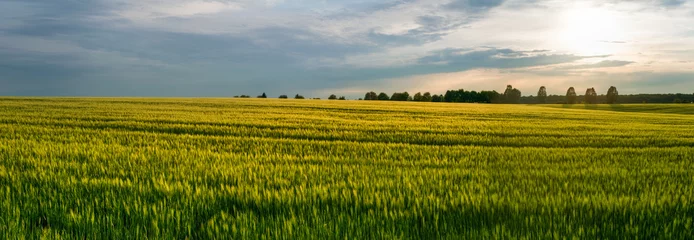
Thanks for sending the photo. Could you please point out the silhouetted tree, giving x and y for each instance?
(571, 96)
(490, 97)
(471, 96)
(512, 95)
(283, 96)
(332, 97)
(591, 96)
(262, 96)
(437, 98)
(298, 96)
(612, 95)
(417, 97)
(507, 92)
(370, 96)
(383, 97)
(343, 98)
(401, 97)
(426, 97)
(542, 95)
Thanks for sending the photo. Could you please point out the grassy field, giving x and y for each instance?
(257, 169)
(645, 108)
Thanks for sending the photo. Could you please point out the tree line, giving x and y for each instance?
(513, 96)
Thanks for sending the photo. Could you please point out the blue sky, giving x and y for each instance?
(317, 48)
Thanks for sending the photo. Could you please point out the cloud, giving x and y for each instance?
(618, 42)
(231, 47)
(474, 5)
(601, 64)
(672, 3)
(164, 9)
(497, 58)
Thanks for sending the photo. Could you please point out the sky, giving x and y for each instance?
(218, 48)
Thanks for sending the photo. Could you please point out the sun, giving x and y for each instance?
(587, 30)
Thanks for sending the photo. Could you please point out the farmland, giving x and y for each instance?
(126, 168)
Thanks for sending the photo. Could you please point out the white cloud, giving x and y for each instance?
(152, 9)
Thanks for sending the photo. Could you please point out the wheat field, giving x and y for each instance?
(160, 168)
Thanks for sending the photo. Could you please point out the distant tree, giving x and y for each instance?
(591, 96)
(343, 98)
(401, 96)
(332, 97)
(437, 98)
(283, 96)
(298, 96)
(262, 96)
(427, 97)
(612, 95)
(512, 95)
(542, 95)
(462, 95)
(491, 96)
(507, 92)
(383, 97)
(417, 97)
(571, 96)
(237, 96)
(370, 96)
(360, 99)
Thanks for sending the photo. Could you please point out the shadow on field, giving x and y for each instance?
(591, 106)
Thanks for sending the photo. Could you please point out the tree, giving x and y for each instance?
(542, 95)
(383, 97)
(343, 98)
(283, 96)
(298, 96)
(401, 96)
(491, 96)
(370, 96)
(612, 95)
(591, 96)
(332, 97)
(262, 96)
(512, 95)
(571, 96)
(426, 97)
(417, 97)
(437, 98)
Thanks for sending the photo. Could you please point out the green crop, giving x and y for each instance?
(125, 168)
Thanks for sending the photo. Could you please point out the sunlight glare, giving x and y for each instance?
(586, 30)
